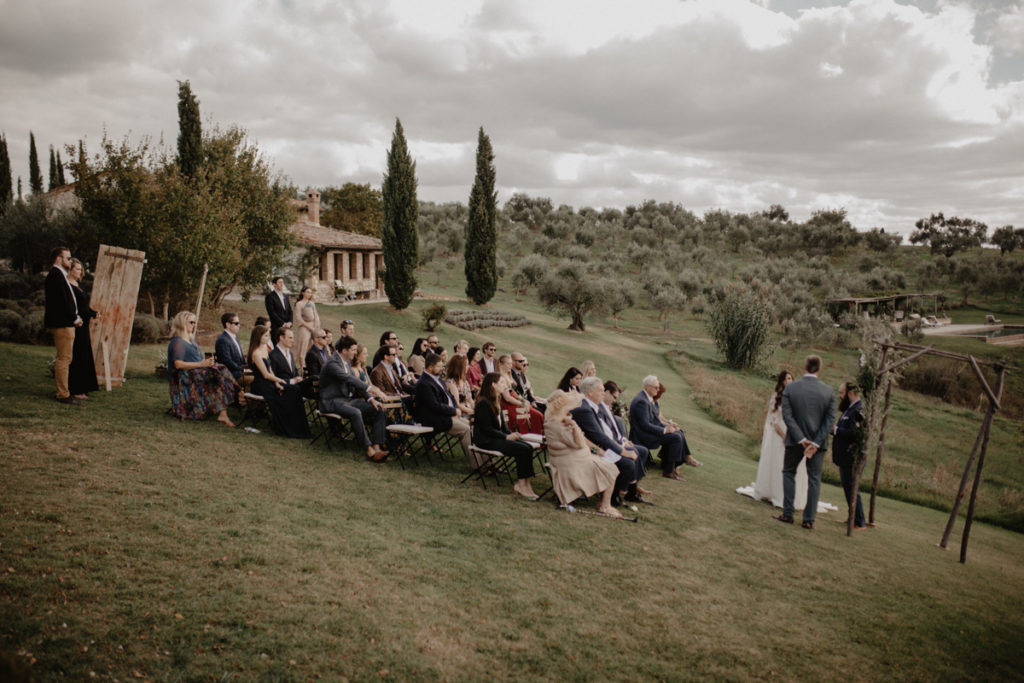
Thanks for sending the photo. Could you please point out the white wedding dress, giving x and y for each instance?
(769, 468)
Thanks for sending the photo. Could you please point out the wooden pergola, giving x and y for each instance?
(856, 303)
(884, 376)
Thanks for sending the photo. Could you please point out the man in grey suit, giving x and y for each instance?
(808, 409)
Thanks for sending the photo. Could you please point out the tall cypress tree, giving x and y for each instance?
(35, 177)
(481, 235)
(6, 186)
(398, 233)
(52, 175)
(190, 131)
(61, 180)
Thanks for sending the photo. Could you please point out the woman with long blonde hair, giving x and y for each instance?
(198, 385)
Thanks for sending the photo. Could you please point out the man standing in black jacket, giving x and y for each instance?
(845, 444)
(61, 318)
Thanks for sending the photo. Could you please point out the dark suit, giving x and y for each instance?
(279, 313)
(282, 369)
(590, 423)
(647, 430)
(229, 354)
(315, 359)
(342, 393)
(59, 317)
(490, 432)
(436, 407)
(808, 409)
(844, 452)
(520, 384)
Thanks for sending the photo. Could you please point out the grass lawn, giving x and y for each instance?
(136, 546)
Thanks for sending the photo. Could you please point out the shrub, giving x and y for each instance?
(913, 329)
(738, 322)
(18, 285)
(148, 329)
(9, 321)
(433, 315)
(30, 328)
(11, 305)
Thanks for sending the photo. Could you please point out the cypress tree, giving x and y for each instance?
(53, 171)
(190, 131)
(35, 177)
(398, 232)
(481, 235)
(61, 180)
(6, 186)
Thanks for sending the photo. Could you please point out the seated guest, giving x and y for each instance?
(521, 383)
(318, 354)
(331, 351)
(571, 380)
(455, 381)
(436, 407)
(283, 400)
(688, 459)
(461, 347)
(342, 393)
(387, 338)
(282, 361)
(348, 328)
(649, 428)
(359, 368)
(433, 344)
(474, 375)
(511, 401)
(227, 349)
(384, 376)
(599, 427)
(488, 363)
(612, 392)
(198, 386)
(492, 433)
(420, 348)
(578, 472)
(417, 365)
(588, 369)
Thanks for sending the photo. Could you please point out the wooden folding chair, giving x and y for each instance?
(408, 441)
(255, 410)
(332, 427)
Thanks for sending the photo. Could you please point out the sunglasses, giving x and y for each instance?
(347, 322)
(234, 322)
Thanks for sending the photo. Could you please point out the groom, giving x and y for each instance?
(808, 409)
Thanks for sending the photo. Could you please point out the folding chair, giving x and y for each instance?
(491, 463)
(333, 427)
(408, 441)
(255, 410)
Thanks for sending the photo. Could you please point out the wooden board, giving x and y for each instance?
(115, 291)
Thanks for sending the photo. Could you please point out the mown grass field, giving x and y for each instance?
(136, 546)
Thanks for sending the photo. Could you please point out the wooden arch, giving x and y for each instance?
(884, 377)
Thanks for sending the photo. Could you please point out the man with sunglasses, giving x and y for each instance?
(521, 382)
(318, 354)
(227, 348)
(488, 363)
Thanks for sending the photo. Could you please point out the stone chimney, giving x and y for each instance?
(313, 202)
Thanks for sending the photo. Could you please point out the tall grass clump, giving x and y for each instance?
(738, 323)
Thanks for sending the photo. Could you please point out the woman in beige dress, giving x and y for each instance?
(578, 472)
(307, 322)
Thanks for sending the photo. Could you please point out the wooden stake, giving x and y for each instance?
(992, 407)
(963, 482)
(202, 290)
(878, 457)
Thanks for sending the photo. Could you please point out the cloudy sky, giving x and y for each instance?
(891, 109)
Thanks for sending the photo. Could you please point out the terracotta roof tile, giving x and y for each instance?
(320, 236)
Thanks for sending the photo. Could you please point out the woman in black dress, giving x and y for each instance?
(491, 432)
(82, 373)
(284, 400)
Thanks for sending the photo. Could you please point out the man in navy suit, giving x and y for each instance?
(808, 409)
(649, 428)
(227, 348)
(61, 318)
(436, 406)
(598, 425)
(845, 442)
(278, 307)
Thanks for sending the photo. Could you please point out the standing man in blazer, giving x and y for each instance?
(227, 348)
(61, 318)
(845, 441)
(278, 307)
(436, 407)
(808, 409)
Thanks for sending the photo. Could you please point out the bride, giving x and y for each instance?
(773, 446)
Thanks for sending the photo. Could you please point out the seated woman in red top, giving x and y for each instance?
(512, 402)
(474, 374)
